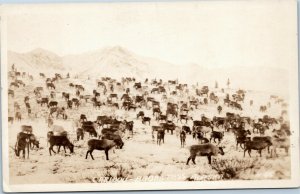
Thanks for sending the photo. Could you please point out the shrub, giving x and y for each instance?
(116, 173)
(231, 168)
(122, 173)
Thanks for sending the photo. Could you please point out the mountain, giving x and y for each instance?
(110, 61)
(45, 59)
(119, 62)
(36, 60)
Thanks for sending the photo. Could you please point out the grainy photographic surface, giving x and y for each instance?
(150, 96)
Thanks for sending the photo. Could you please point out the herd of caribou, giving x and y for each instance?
(166, 106)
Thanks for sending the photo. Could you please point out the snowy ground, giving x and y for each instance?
(141, 158)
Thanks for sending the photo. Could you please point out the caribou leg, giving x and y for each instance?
(91, 154)
(106, 153)
(259, 151)
(193, 159)
(188, 160)
(86, 156)
(51, 149)
(27, 150)
(209, 159)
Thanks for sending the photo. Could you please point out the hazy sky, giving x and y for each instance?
(213, 33)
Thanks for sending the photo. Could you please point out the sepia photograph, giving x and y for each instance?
(149, 95)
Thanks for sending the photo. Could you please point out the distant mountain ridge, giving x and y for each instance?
(118, 62)
(35, 59)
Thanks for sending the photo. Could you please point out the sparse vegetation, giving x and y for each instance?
(140, 156)
(231, 168)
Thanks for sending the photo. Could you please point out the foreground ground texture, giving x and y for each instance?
(141, 159)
